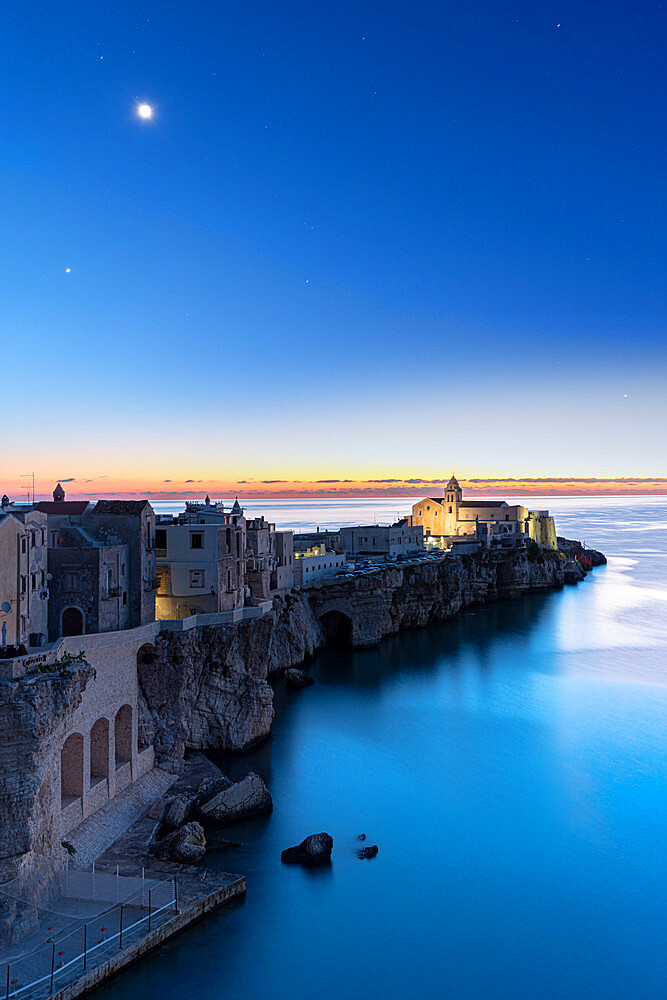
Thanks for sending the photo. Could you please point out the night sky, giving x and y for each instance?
(354, 239)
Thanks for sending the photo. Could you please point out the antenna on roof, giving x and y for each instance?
(25, 475)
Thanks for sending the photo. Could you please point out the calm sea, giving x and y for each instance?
(511, 765)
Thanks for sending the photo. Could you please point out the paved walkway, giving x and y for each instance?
(99, 831)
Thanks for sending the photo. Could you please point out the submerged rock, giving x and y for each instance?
(185, 846)
(368, 852)
(295, 678)
(315, 849)
(248, 797)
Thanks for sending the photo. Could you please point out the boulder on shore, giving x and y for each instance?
(178, 810)
(185, 846)
(295, 678)
(315, 849)
(248, 797)
(209, 787)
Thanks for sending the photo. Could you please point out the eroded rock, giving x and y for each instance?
(245, 798)
(185, 846)
(315, 849)
(295, 678)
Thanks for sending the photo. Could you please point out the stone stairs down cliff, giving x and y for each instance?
(98, 832)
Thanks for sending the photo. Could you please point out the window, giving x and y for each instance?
(450, 510)
(507, 517)
(54, 539)
(71, 581)
(196, 540)
(109, 580)
(122, 569)
(43, 578)
(228, 535)
(33, 582)
(196, 577)
(124, 597)
(160, 538)
(43, 536)
(23, 545)
(24, 584)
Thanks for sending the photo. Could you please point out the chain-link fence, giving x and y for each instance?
(79, 930)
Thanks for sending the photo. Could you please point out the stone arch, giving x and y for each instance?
(99, 751)
(71, 770)
(72, 621)
(337, 628)
(123, 735)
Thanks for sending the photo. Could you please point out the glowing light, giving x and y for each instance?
(145, 111)
(68, 270)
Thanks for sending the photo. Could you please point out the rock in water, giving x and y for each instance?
(295, 678)
(368, 852)
(315, 849)
(186, 846)
(248, 797)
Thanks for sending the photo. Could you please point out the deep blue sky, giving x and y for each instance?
(355, 211)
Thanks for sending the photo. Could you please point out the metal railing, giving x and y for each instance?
(70, 952)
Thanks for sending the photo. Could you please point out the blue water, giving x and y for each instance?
(511, 765)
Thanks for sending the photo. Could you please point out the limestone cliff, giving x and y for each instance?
(35, 715)
(209, 688)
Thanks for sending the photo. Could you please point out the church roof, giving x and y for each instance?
(236, 509)
(483, 503)
(453, 483)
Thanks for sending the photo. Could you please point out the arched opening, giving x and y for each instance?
(123, 734)
(71, 770)
(337, 628)
(72, 622)
(145, 723)
(99, 751)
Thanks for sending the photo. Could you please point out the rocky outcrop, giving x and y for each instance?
(571, 547)
(315, 849)
(295, 678)
(186, 845)
(368, 852)
(245, 798)
(35, 716)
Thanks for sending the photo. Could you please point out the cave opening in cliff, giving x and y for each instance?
(337, 629)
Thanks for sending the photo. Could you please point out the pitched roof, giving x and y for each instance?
(62, 506)
(135, 507)
(483, 503)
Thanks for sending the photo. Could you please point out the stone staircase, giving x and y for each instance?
(99, 831)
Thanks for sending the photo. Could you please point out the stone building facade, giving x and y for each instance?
(24, 587)
(200, 566)
(89, 583)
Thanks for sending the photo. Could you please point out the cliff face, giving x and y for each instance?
(35, 713)
(208, 688)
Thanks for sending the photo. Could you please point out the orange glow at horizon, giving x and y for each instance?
(387, 486)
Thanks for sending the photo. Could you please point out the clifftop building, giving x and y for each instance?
(492, 522)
